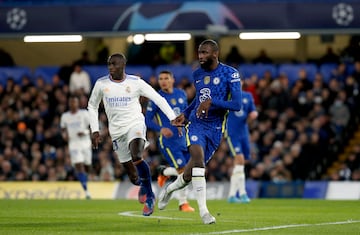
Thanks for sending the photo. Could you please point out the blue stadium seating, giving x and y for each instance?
(15, 73)
(326, 70)
(144, 71)
(247, 70)
(180, 71)
(46, 72)
(292, 71)
(96, 71)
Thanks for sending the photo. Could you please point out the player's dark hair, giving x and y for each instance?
(212, 43)
(119, 55)
(167, 72)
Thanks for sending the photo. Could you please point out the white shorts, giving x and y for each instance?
(121, 144)
(81, 155)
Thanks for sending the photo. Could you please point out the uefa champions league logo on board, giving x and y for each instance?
(16, 18)
(343, 14)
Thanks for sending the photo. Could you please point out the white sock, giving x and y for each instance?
(179, 183)
(241, 179)
(234, 181)
(182, 194)
(199, 186)
(169, 171)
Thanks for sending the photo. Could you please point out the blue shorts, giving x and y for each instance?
(176, 157)
(239, 145)
(208, 137)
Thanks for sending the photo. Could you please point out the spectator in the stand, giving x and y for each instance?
(262, 58)
(356, 72)
(340, 73)
(351, 52)
(278, 99)
(6, 171)
(84, 59)
(234, 57)
(304, 80)
(250, 85)
(80, 82)
(102, 52)
(329, 57)
(340, 113)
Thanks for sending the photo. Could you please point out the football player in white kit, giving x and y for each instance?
(120, 93)
(75, 126)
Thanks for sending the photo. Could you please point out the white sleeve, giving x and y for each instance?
(93, 107)
(160, 101)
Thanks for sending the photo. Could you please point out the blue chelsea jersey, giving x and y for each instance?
(177, 101)
(219, 85)
(237, 120)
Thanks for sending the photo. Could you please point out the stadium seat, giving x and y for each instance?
(326, 70)
(144, 71)
(96, 71)
(292, 71)
(180, 72)
(350, 68)
(247, 70)
(15, 72)
(46, 72)
(3, 78)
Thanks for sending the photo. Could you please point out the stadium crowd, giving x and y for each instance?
(301, 130)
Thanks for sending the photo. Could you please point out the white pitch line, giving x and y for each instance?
(278, 227)
(131, 214)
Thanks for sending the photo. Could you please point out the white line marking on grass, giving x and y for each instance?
(279, 227)
(133, 214)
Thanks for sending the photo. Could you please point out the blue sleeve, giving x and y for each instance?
(151, 111)
(233, 105)
(189, 108)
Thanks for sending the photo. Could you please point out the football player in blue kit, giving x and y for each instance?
(237, 137)
(218, 90)
(172, 145)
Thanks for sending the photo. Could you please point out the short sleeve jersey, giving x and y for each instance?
(217, 84)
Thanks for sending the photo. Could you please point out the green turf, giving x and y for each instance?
(261, 216)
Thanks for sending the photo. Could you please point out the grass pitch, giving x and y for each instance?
(261, 216)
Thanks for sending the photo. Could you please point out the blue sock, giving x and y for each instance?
(145, 177)
(82, 177)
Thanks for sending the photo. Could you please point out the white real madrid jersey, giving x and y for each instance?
(122, 104)
(76, 123)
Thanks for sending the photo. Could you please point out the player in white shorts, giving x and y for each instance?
(120, 94)
(75, 126)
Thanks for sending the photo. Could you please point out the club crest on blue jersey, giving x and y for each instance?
(206, 80)
(194, 138)
(181, 100)
(177, 111)
(245, 100)
(216, 81)
(239, 113)
(173, 101)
